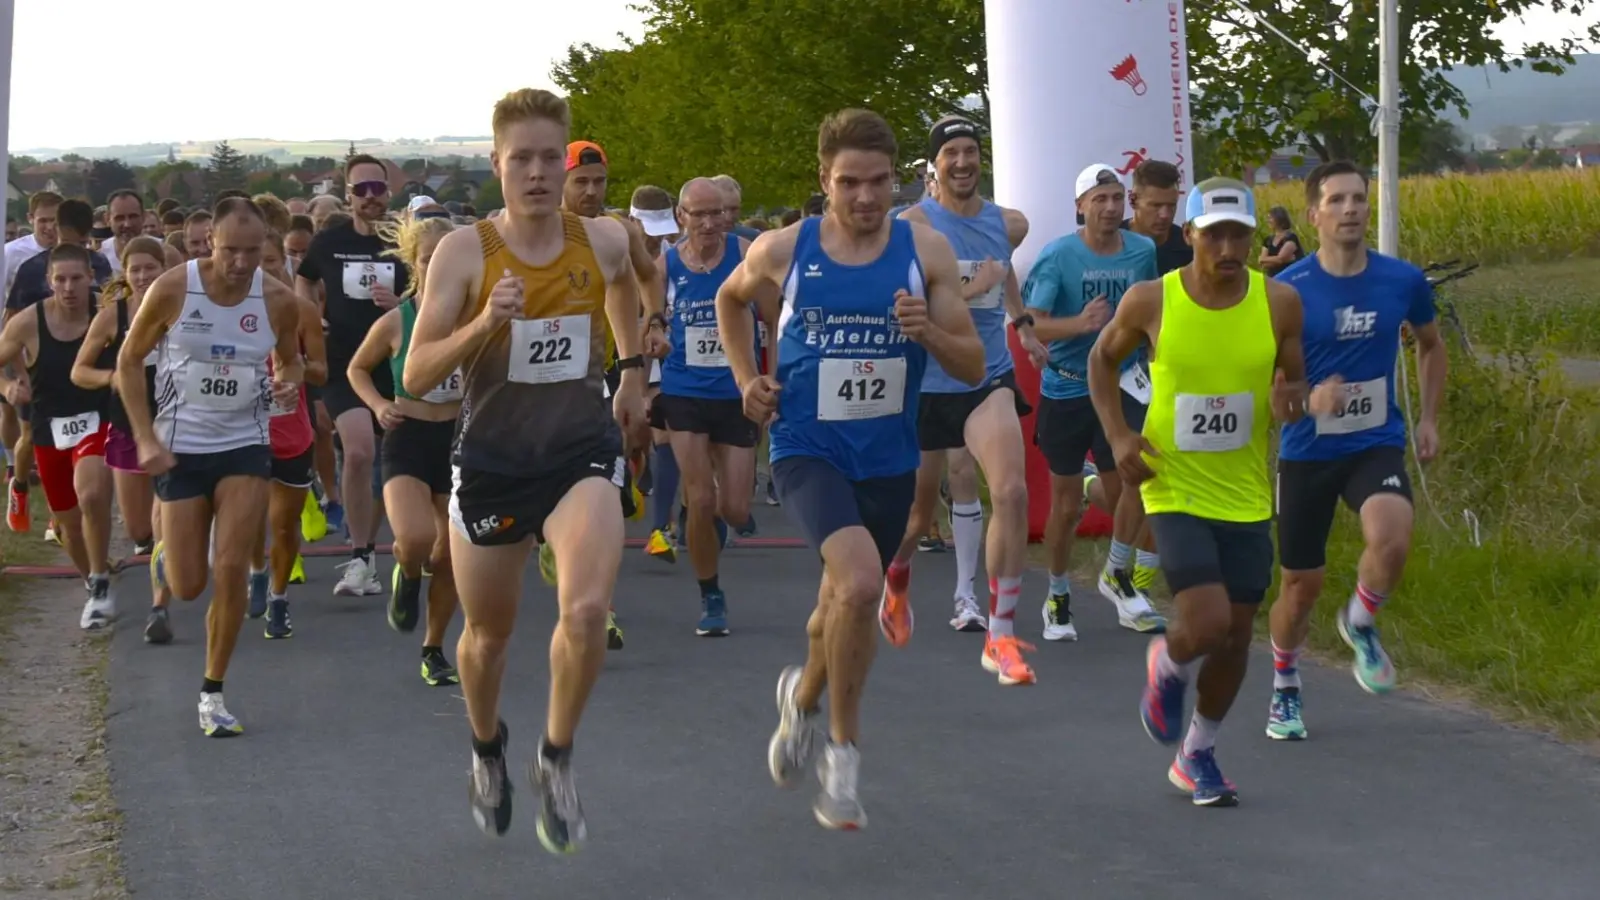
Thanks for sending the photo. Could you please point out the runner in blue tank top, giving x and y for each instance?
(955, 417)
(699, 405)
(865, 301)
(1353, 447)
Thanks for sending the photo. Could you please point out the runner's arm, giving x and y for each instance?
(376, 349)
(1045, 291)
(1433, 363)
(448, 329)
(654, 304)
(283, 311)
(652, 280)
(1288, 319)
(1132, 323)
(757, 282)
(18, 333)
(312, 341)
(953, 340)
(86, 372)
(613, 246)
(161, 306)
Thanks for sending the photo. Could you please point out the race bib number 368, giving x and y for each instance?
(221, 386)
(1214, 423)
(850, 390)
(546, 351)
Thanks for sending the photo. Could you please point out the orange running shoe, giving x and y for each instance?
(18, 518)
(1002, 655)
(895, 619)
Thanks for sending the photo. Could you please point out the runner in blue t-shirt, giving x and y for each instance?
(865, 301)
(1073, 291)
(1352, 447)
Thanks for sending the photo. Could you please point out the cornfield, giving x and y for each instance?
(1497, 217)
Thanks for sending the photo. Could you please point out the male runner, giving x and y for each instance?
(32, 283)
(699, 404)
(347, 272)
(526, 306)
(732, 202)
(197, 234)
(68, 422)
(862, 302)
(954, 416)
(126, 213)
(1355, 448)
(1201, 461)
(1074, 289)
(217, 321)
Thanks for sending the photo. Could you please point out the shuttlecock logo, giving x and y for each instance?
(1127, 72)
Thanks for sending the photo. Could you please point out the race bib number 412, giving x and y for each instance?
(1214, 423)
(547, 351)
(850, 390)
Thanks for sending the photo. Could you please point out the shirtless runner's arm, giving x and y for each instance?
(446, 331)
(161, 306)
(1135, 322)
(758, 281)
(952, 340)
(18, 341)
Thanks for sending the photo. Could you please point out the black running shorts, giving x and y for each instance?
(1310, 490)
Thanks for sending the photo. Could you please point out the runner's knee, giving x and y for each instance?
(1008, 491)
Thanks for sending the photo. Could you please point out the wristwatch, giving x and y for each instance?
(630, 362)
(1024, 319)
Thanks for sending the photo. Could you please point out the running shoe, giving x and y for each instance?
(1144, 578)
(297, 575)
(969, 616)
(259, 584)
(52, 533)
(215, 719)
(614, 639)
(793, 747)
(313, 521)
(99, 609)
(436, 668)
(895, 617)
(333, 514)
(713, 615)
(772, 493)
(1197, 775)
(1002, 657)
(1161, 707)
(1372, 668)
(143, 548)
(405, 601)
(489, 789)
(837, 806)
(279, 625)
(18, 517)
(547, 564)
(660, 546)
(359, 579)
(1283, 716)
(931, 544)
(1133, 606)
(561, 825)
(157, 626)
(1058, 618)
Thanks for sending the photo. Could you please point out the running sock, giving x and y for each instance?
(898, 575)
(278, 598)
(1121, 554)
(1166, 668)
(551, 751)
(1285, 667)
(209, 686)
(362, 553)
(489, 749)
(708, 586)
(966, 525)
(665, 489)
(432, 651)
(1060, 585)
(1202, 735)
(1364, 604)
(11, 461)
(1145, 559)
(1003, 596)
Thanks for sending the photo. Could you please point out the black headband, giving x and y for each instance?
(946, 130)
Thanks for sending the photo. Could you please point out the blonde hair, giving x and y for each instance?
(274, 210)
(407, 236)
(530, 104)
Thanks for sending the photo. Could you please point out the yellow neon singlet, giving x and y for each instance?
(1210, 418)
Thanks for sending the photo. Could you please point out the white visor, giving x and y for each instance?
(656, 222)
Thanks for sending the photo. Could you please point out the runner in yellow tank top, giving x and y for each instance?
(527, 306)
(1225, 361)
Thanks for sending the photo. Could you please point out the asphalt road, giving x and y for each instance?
(351, 778)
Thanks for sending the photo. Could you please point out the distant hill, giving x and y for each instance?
(285, 152)
(1526, 98)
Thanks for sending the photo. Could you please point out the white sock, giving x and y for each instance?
(1121, 554)
(966, 526)
(1202, 735)
(1003, 606)
(1169, 669)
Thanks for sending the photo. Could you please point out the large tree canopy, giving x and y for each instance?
(739, 86)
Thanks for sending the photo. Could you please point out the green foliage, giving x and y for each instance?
(275, 182)
(489, 196)
(107, 176)
(226, 170)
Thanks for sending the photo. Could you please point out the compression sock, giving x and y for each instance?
(1202, 735)
(1119, 558)
(966, 526)
(1003, 596)
(1285, 667)
(664, 492)
(1364, 604)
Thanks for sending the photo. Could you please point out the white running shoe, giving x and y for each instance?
(100, 610)
(359, 579)
(215, 720)
(969, 617)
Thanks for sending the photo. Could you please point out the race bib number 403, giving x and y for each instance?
(1362, 405)
(1214, 423)
(221, 386)
(850, 390)
(361, 277)
(68, 432)
(546, 351)
(702, 347)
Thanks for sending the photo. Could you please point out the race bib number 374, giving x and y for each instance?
(546, 351)
(1214, 423)
(850, 390)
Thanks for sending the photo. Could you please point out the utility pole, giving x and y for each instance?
(1389, 50)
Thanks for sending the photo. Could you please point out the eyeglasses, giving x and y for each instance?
(370, 188)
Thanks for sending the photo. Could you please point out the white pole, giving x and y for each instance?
(1389, 128)
(8, 12)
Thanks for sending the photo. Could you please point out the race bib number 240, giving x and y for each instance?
(1214, 423)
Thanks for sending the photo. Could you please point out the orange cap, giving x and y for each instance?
(584, 153)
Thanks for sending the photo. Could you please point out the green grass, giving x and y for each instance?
(22, 550)
(1548, 305)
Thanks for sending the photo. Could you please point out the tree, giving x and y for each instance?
(489, 196)
(348, 155)
(275, 182)
(1263, 94)
(319, 164)
(72, 158)
(414, 167)
(107, 176)
(226, 170)
(1439, 146)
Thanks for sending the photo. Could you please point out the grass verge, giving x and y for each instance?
(1547, 305)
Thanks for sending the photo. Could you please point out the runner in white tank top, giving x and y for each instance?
(216, 323)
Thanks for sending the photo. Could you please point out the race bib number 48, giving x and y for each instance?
(1214, 423)
(361, 277)
(702, 347)
(546, 351)
(850, 390)
(69, 431)
(221, 386)
(1362, 405)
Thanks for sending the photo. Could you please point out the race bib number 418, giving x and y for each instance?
(850, 390)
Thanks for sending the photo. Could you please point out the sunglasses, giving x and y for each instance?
(431, 214)
(370, 188)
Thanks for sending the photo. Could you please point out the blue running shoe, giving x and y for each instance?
(748, 529)
(335, 514)
(1283, 716)
(1197, 775)
(1161, 708)
(279, 625)
(713, 615)
(1372, 668)
(258, 594)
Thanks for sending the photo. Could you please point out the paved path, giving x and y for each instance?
(351, 779)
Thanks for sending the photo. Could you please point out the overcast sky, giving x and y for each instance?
(202, 70)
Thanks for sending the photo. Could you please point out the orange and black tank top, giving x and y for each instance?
(533, 399)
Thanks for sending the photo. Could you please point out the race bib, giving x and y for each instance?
(448, 391)
(1362, 405)
(1215, 423)
(222, 386)
(850, 390)
(546, 351)
(361, 277)
(69, 431)
(702, 347)
(279, 410)
(1136, 384)
(989, 299)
